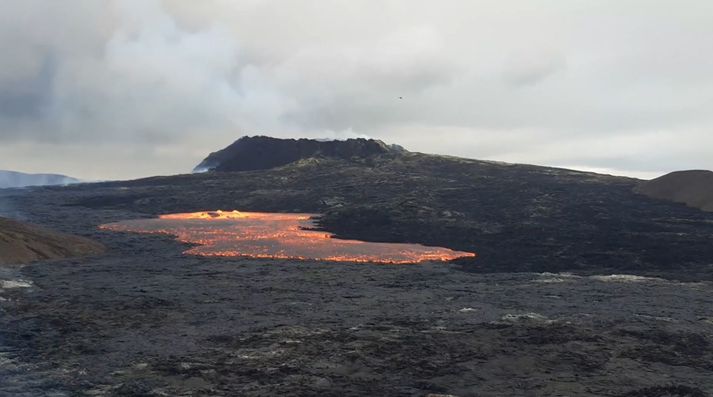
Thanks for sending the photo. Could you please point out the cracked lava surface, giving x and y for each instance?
(276, 236)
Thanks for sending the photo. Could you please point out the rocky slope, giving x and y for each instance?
(12, 179)
(261, 152)
(693, 188)
(22, 243)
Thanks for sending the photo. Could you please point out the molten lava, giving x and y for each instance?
(278, 236)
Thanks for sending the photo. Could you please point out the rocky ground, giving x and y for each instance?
(544, 316)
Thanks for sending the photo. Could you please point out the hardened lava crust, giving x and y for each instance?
(581, 287)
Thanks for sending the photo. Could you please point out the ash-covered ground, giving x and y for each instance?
(144, 319)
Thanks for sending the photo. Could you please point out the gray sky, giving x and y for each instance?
(129, 88)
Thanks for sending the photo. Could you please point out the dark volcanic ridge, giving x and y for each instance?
(693, 188)
(22, 243)
(13, 179)
(262, 152)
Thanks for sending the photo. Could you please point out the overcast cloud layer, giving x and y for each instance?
(129, 88)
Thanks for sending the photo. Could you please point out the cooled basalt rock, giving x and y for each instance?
(622, 311)
(261, 152)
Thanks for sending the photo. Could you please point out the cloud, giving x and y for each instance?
(531, 67)
(159, 84)
(28, 98)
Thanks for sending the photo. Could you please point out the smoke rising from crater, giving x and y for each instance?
(142, 87)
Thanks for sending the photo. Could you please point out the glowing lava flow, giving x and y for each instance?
(278, 236)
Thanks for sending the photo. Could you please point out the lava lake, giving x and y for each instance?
(276, 236)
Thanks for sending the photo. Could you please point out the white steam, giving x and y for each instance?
(139, 87)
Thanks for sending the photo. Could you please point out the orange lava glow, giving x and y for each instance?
(276, 236)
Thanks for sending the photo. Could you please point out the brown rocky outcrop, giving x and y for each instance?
(23, 243)
(693, 188)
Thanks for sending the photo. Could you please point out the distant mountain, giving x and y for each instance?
(693, 188)
(23, 243)
(261, 152)
(10, 179)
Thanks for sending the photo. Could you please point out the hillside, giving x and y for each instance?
(693, 188)
(22, 243)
